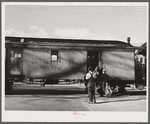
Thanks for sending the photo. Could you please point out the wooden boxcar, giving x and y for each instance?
(69, 59)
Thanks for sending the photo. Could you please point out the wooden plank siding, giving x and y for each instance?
(72, 56)
(71, 64)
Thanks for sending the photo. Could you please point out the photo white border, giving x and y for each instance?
(53, 116)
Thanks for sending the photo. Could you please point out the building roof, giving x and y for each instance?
(142, 51)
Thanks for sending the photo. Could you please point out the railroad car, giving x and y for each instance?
(69, 59)
(141, 67)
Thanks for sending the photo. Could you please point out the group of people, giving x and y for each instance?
(91, 78)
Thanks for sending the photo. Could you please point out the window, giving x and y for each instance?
(54, 55)
(18, 55)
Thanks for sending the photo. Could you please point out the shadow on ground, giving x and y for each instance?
(35, 90)
(66, 92)
(48, 92)
(130, 93)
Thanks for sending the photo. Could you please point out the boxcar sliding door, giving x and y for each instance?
(92, 59)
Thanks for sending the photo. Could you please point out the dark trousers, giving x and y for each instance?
(86, 82)
(91, 94)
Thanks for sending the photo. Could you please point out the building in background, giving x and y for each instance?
(141, 63)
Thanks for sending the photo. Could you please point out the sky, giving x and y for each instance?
(86, 21)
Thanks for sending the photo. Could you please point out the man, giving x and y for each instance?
(87, 77)
(102, 79)
(91, 87)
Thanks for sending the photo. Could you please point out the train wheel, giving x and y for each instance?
(108, 91)
(122, 89)
(140, 86)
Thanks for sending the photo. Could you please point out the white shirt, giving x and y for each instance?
(88, 75)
